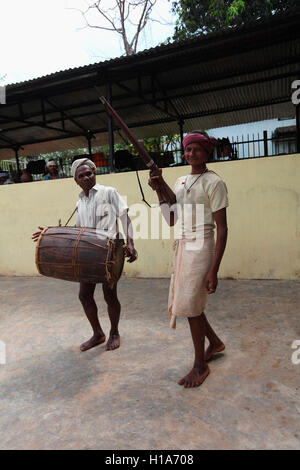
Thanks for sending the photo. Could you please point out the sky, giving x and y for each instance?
(39, 37)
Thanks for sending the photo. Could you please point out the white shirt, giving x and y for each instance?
(207, 195)
(100, 209)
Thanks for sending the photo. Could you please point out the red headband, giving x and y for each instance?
(208, 143)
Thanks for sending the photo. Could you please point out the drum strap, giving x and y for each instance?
(141, 189)
(71, 216)
(142, 193)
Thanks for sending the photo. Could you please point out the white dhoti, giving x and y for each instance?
(187, 294)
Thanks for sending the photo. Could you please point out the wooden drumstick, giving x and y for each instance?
(138, 147)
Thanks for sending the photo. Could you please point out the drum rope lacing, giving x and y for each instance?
(75, 255)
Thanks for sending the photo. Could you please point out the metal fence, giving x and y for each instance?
(254, 145)
(262, 145)
(265, 144)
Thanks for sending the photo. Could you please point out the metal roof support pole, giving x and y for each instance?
(298, 127)
(266, 153)
(18, 164)
(89, 138)
(110, 133)
(181, 123)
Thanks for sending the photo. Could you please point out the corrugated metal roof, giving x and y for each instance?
(226, 78)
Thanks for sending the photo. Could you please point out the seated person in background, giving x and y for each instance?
(26, 177)
(4, 178)
(53, 171)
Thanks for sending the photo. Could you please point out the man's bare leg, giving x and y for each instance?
(86, 297)
(200, 369)
(114, 309)
(215, 344)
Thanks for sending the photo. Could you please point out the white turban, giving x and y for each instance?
(82, 161)
(50, 162)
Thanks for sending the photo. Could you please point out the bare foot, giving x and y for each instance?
(213, 349)
(195, 378)
(113, 342)
(91, 343)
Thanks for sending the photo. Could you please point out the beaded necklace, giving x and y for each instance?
(188, 189)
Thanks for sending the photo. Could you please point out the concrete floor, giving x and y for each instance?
(55, 397)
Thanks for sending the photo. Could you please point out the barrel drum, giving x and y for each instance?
(80, 255)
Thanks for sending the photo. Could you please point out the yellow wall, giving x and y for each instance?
(263, 219)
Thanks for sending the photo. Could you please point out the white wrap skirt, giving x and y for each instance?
(191, 264)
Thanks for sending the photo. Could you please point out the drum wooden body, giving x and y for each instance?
(80, 255)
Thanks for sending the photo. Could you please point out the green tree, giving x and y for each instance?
(196, 17)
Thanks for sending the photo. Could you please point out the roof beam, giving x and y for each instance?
(246, 83)
(143, 99)
(138, 124)
(34, 124)
(64, 113)
(224, 110)
(167, 98)
(12, 142)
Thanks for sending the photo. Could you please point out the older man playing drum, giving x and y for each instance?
(100, 207)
